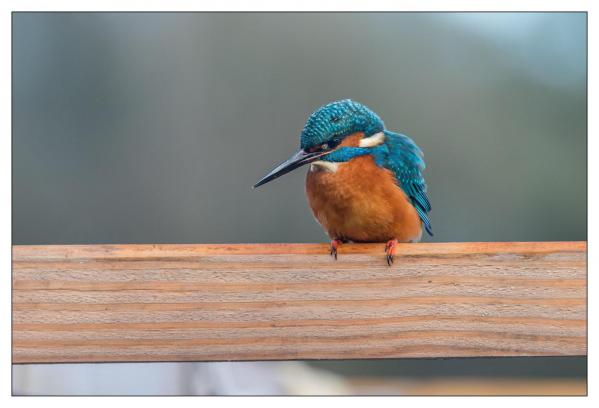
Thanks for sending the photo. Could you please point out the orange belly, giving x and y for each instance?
(362, 202)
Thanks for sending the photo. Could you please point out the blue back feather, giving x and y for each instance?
(405, 160)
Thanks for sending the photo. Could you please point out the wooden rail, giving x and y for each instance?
(101, 303)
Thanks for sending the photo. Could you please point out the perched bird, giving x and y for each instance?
(365, 182)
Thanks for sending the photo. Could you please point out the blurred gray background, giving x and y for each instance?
(152, 127)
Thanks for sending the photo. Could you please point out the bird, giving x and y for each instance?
(365, 183)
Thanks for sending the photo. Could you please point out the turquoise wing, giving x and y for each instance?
(405, 160)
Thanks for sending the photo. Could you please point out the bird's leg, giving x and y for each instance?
(334, 245)
(390, 249)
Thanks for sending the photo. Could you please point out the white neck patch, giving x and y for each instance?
(374, 140)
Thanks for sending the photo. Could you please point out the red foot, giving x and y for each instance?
(334, 245)
(390, 249)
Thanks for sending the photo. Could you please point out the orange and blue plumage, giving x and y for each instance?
(365, 183)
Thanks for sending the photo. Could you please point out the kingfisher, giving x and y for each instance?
(364, 183)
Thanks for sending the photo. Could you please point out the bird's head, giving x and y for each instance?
(331, 123)
(325, 130)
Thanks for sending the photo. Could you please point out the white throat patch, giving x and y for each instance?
(325, 165)
(374, 140)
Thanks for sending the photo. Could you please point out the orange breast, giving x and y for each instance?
(361, 202)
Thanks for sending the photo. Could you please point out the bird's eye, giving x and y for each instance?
(324, 146)
(335, 119)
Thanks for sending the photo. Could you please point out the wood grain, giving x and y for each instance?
(101, 303)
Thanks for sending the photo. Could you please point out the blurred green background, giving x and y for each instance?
(152, 127)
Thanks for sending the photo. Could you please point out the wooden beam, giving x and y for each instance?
(102, 303)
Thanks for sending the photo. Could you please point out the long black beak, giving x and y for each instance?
(297, 160)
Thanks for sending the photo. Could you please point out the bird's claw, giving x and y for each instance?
(390, 249)
(334, 245)
(334, 252)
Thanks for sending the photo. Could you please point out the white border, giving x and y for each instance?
(308, 5)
